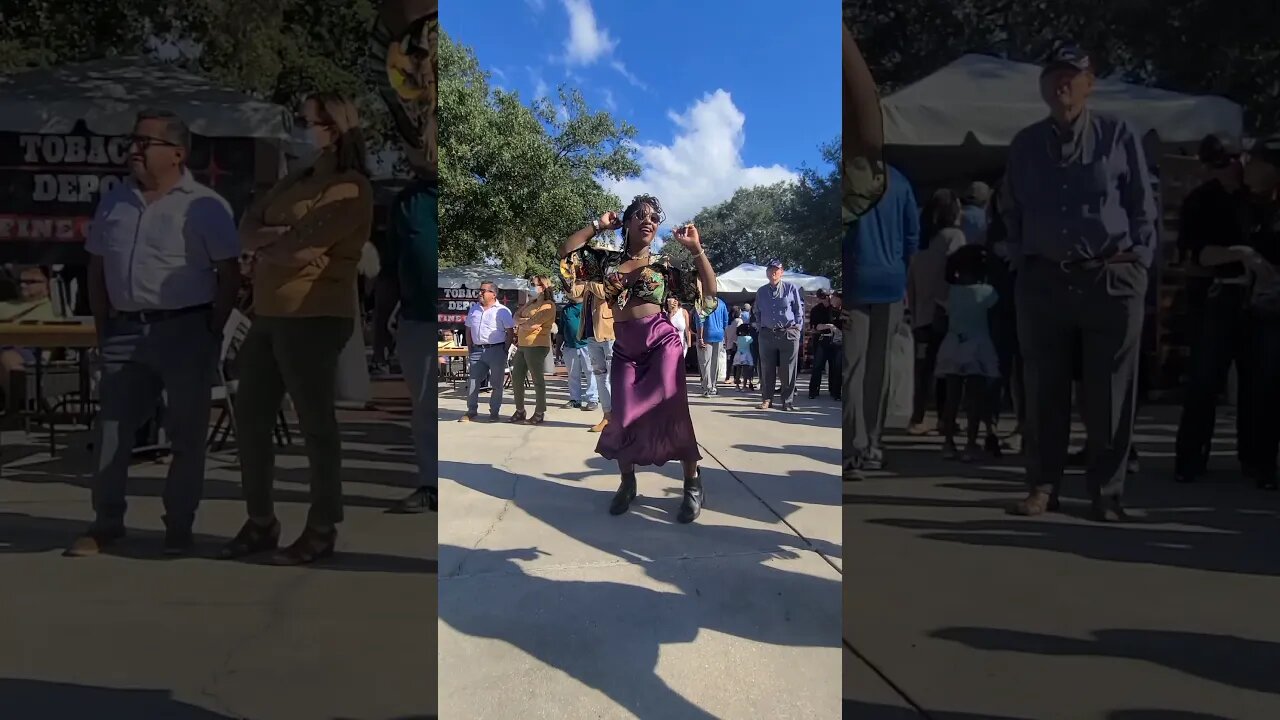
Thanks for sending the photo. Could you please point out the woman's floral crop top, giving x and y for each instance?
(653, 284)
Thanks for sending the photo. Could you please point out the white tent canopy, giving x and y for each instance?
(470, 276)
(107, 95)
(992, 99)
(749, 278)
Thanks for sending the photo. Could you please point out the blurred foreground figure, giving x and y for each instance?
(403, 58)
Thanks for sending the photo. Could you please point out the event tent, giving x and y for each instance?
(470, 276)
(107, 95)
(958, 122)
(747, 278)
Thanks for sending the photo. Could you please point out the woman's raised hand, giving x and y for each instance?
(610, 221)
(687, 235)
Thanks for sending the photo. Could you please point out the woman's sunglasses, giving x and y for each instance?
(655, 218)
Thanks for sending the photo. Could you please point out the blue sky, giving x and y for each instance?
(723, 94)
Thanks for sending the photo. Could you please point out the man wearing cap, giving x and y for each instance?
(1261, 255)
(779, 315)
(1214, 237)
(823, 319)
(1081, 216)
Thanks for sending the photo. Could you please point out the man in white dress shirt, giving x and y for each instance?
(490, 330)
(163, 277)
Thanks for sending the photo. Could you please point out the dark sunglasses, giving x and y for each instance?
(144, 142)
(302, 122)
(655, 218)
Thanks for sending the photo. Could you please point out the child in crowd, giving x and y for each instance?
(967, 357)
(744, 364)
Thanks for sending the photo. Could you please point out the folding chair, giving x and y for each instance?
(224, 392)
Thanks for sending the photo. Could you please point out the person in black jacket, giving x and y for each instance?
(1213, 235)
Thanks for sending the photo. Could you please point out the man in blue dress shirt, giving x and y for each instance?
(1081, 218)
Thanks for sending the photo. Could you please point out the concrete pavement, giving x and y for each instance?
(552, 608)
(967, 613)
(135, 635)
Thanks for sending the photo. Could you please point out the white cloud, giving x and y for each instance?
(540, 89)
(587, 41)
(703, 164)
(624, 72)
(609, 102)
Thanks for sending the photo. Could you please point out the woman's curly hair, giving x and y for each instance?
(636, 203)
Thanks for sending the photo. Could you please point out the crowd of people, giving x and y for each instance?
(1016, 296)
(168, 268)
(624, 331)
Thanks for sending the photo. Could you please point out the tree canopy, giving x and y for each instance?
(517, 179)
(798, 223)
(279, 50)
(1195, 46)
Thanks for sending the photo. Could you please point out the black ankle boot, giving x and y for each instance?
(626, 493)
(691, 508)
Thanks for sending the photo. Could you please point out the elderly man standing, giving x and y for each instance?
(780, 316)
(1081, 214)
(163, 276)
(490, 330)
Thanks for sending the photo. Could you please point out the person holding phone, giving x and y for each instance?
(650, 422)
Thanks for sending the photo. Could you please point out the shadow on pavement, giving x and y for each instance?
(1238, 662)
(633, 623)
(20, 533)
(43, 699)
(1203, 526)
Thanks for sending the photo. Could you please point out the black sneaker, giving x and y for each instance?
(178, 541)
(422, 500)
(572, 404)
(591, 407)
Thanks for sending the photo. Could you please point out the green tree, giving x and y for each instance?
(517, 179)
(798, 223)
(278, 50)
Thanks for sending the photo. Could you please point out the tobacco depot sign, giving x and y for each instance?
(50, 183)
(453, 303)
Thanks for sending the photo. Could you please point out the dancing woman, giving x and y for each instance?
(650, 422)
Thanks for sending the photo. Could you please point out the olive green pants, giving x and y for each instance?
(298, 356)
(530, 361)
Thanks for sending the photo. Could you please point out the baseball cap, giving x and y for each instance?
(774, 263)
(1069, 55)
(823, 294)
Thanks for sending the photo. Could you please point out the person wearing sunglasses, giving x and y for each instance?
(163, 277)
(309, 232)
(649, 421)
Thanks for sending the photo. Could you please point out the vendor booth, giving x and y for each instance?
(63, 142)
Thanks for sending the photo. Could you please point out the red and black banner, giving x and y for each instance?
(50, 185)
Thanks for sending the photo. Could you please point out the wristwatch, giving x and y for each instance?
(595, 224)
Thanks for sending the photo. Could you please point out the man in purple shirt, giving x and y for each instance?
(779, 314)
(1081, 214)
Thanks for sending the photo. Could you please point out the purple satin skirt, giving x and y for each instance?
(649, 422)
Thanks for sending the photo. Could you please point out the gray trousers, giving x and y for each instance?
(867, 347)
(709, 360)
(487, 366)
(416, 342)
(779, 349)
(1106, 307)
(140, 362)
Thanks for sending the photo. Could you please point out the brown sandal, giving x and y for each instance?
(537, 418)
(518, 417)
(310, 546)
